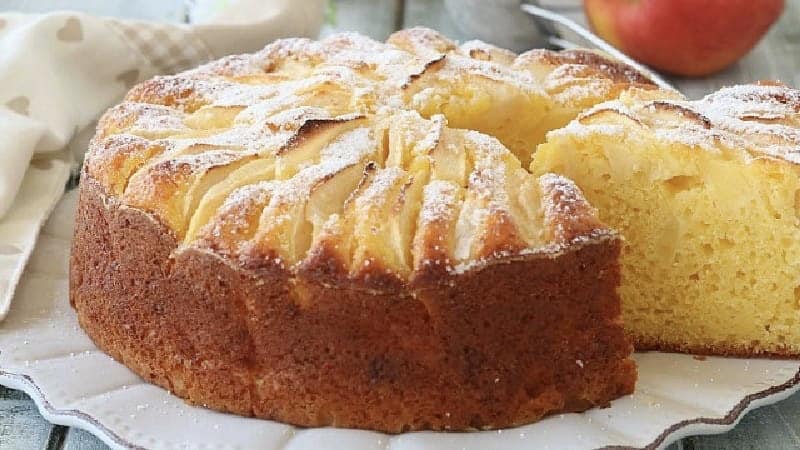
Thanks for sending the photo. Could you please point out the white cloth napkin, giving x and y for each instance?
(60, 71)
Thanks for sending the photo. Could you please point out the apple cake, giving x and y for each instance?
(344, 232)
(707, 196)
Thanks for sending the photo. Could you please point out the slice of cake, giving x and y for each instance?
(707, 196)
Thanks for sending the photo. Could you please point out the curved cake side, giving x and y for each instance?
(471, 353)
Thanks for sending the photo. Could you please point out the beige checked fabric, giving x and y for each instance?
(168, 48)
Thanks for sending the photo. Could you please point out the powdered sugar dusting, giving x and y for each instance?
(350, 147)
(765, 118)
(381, 183)
(488, 178)
(439, 202)
(197, 162)
(287, 96)
(576, 129)
(144, 119)
(232, 227)
(762, 120)
(565, 195)
(252, 193)
(567, 214)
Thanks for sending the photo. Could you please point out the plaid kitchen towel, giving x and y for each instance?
(60, 71)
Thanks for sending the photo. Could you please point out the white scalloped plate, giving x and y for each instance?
(46, 354)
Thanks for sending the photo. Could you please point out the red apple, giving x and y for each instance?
(683, 37)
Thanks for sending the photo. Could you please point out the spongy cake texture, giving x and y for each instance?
(707, 195)
(344, 232)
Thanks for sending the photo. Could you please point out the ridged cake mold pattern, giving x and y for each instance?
(44, 352)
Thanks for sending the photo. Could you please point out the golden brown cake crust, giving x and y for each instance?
(471, 353)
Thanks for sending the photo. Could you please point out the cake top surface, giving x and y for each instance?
(352, 158)
(761, 120)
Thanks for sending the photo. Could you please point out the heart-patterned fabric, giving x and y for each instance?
(60, 71)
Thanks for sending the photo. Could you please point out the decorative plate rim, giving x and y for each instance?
(732, 417)
(71, 417)
(85, 421)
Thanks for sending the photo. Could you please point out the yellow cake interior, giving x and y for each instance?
(709, 207)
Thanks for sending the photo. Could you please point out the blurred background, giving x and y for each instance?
(776, 56)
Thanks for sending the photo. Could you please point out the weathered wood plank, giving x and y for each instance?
(21, 425)
(81, 440)
(761, 429)
(11, 394)
(788, 411)
(376, 19)
(675, 446)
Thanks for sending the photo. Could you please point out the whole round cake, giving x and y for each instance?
(344, 232)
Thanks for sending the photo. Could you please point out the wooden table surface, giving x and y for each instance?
(776, 57)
